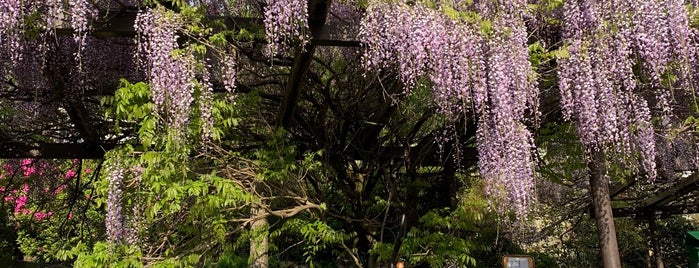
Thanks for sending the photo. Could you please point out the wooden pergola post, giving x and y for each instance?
(602, 207)
(655, 244)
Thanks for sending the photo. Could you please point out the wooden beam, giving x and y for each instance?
(617, 189)
(658, 203)
(55, 150)
(662, 212)
(683, 187)
(121, 24)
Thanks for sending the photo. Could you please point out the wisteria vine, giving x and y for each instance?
(286, 22)
(471, 69)
(600, 91)
(114, 220)
(171, 76)
(10, 22)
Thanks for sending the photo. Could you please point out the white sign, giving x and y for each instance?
(515, 261)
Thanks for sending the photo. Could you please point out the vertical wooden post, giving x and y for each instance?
(602, 205)
(655, 244)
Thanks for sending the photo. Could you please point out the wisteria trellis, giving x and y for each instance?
(472, 66)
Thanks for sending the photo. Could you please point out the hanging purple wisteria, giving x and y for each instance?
(483, 70)
(10, 22)
(114, 220)
(171, 75)
(601, 92)
(286, 22)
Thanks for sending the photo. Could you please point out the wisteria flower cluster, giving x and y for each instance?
(228, 73)
(471, 69)
(599, 89)
(114, 220)
(662, 36)
(206, 104)
(10, 22)
(171, 76)
(40, 60)
(286, 22)
(81, 13)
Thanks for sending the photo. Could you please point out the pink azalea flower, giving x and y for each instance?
(40, 216)
(70, 174)
(20, 202)
(28, 171)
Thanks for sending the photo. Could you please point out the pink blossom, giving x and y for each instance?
(28, 171)
(70, 215)
(40, 216)
(27, 167)
(8, 168)
(20, 202)
(59, 189)
(88, 170)
(70, 174)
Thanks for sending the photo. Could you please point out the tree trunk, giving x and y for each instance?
(602, 205)
(259, 241)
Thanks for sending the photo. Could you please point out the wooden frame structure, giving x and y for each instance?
(663, 201)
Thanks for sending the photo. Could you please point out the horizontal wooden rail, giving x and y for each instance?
(121, 24)
(55, 150)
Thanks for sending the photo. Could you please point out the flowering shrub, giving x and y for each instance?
(45, 201)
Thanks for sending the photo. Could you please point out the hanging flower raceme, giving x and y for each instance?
(505, 145)
(599, 89)
(662, 37)
(10, 30)
(484, 71)
(81, 11)
(206, 104)
(114, 220)
(171, 75)
(228, 73)
(286, 22)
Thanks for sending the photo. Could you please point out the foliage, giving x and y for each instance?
(106, 254)
(578, 247)
(375, 164)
